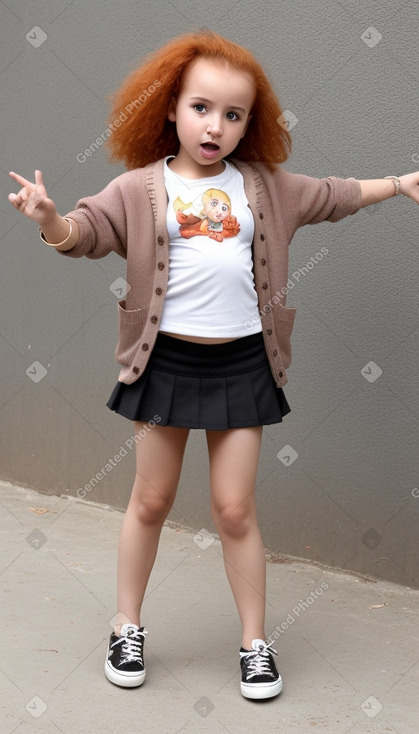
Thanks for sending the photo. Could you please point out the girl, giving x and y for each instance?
(204, 333)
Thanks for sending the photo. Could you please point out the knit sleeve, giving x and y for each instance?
(102, 224)
(309, 200)
(332, 199)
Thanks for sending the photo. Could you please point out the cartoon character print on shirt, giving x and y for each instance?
(214, 218)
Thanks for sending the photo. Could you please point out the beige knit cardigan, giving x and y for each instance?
(129, 217)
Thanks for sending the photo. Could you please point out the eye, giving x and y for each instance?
(232, 115)
(224, 208)
(199, 107)
(214, 203)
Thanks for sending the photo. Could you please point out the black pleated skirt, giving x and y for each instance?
(210, 386)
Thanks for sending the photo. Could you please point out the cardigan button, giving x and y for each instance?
(262, 237)
(160, 240)
(275, 352)
(260, 215)
(280, 374)
(136, 370)
(145, 347)
(263, 261)
(160, 266)
(154, 319)
(264, 286)
(159, 291)
(269, 332)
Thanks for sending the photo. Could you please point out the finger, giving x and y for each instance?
(17, 202)
(20, 180)
(38, 178)
(16, 199)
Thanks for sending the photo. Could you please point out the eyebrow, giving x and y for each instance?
(208, 101)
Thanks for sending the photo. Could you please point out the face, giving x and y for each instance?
(216, 210)
(211, 113)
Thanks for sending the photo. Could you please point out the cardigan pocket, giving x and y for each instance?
(284, 323)
(131, 324)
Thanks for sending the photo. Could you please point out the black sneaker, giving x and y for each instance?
(260, 678)
(124, 663)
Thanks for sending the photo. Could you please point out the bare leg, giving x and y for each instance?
(159, 457)
(234, 456)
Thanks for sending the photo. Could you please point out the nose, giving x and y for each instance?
(214, 126)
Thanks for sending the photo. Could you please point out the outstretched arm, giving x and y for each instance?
(383, 188)
(95, 227)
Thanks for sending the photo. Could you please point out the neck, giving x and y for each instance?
(193, 170)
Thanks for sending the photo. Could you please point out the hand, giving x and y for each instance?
(409, 185)
(231, 225)
(32, 199)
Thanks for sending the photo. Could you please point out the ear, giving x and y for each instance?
(171, 115)
(245, 127)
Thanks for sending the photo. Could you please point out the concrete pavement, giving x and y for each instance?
(348, 648)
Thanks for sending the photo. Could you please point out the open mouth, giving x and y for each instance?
(210, 146)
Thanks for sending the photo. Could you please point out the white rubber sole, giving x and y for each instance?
(125, 680)
(261, 690)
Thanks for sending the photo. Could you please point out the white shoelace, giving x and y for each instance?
(258, 662)
(132, 642)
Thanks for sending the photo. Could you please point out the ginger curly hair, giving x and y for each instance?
(141, 104)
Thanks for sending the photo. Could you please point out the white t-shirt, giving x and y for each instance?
(211, 290)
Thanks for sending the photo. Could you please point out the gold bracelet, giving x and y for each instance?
(56, 244)
(396, 183)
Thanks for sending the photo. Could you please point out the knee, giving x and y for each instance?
(152, 512)
(151, 508)
(233, 521)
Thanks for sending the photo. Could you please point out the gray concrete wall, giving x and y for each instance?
(348, 71)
